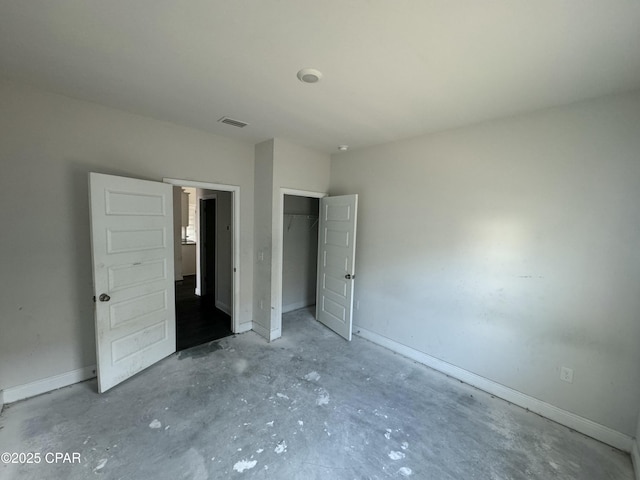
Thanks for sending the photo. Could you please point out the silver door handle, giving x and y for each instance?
(348, 276)
(104, 297)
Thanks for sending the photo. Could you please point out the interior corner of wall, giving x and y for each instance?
(260, 330)
(635, 457)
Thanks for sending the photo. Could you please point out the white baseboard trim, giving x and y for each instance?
(260, 330)
(224, 307)
(298, 305)
(198, 292)
(275, 334)
(635, 458)
(20, 392)
(244, 327)
(580, 424)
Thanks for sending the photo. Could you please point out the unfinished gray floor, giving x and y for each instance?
(309, 406)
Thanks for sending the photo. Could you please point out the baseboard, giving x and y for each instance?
(275, 334)
(260, 330)
(244, 327)
(635, 458)
(32, 389)
(298, 305)
(224, 307)
(198, 291)
(558, 415)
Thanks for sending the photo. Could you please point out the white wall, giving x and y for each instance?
(511, 249)
(49, 144)
(188, 260)
(300, 252)
(296, 168)
(278, 164)
(263, 186)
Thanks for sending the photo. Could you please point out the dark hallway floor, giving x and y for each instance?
(198, 320)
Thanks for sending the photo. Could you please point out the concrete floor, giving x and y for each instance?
(309, 406)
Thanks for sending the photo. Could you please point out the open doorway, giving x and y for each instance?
(336, 249)
(204, 282)
(299, 251)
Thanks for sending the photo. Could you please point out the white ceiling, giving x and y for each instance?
(392, 68)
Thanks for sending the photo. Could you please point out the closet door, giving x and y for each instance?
(336, 262)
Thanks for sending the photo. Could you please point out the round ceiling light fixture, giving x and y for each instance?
(309, 75)
(343, 148)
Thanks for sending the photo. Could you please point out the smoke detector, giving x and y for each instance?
(309, 75)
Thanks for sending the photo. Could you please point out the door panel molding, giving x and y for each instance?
(336, 262)
(127, 235)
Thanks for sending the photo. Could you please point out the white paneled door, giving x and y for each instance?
(336, 262)
(132, 250)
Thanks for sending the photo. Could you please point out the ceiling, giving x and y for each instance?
(392, 68)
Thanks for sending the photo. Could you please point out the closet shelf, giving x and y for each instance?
(301, 215)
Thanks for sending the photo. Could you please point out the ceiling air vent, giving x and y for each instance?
(233, 122)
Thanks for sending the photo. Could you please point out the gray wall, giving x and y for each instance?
(49, 145)
(300, 252)
(511, 249)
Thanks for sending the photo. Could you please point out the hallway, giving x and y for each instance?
(198, 320)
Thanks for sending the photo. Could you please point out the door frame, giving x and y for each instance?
(235, 245)
(278, 255)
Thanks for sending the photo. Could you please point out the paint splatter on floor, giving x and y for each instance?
(155, 424)
(312, 376)
(282, 395)
(323, 397)
(281, 447)
(405, 471)
(393, 455)
(101, 464)
(243, 465)
(404, 445)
